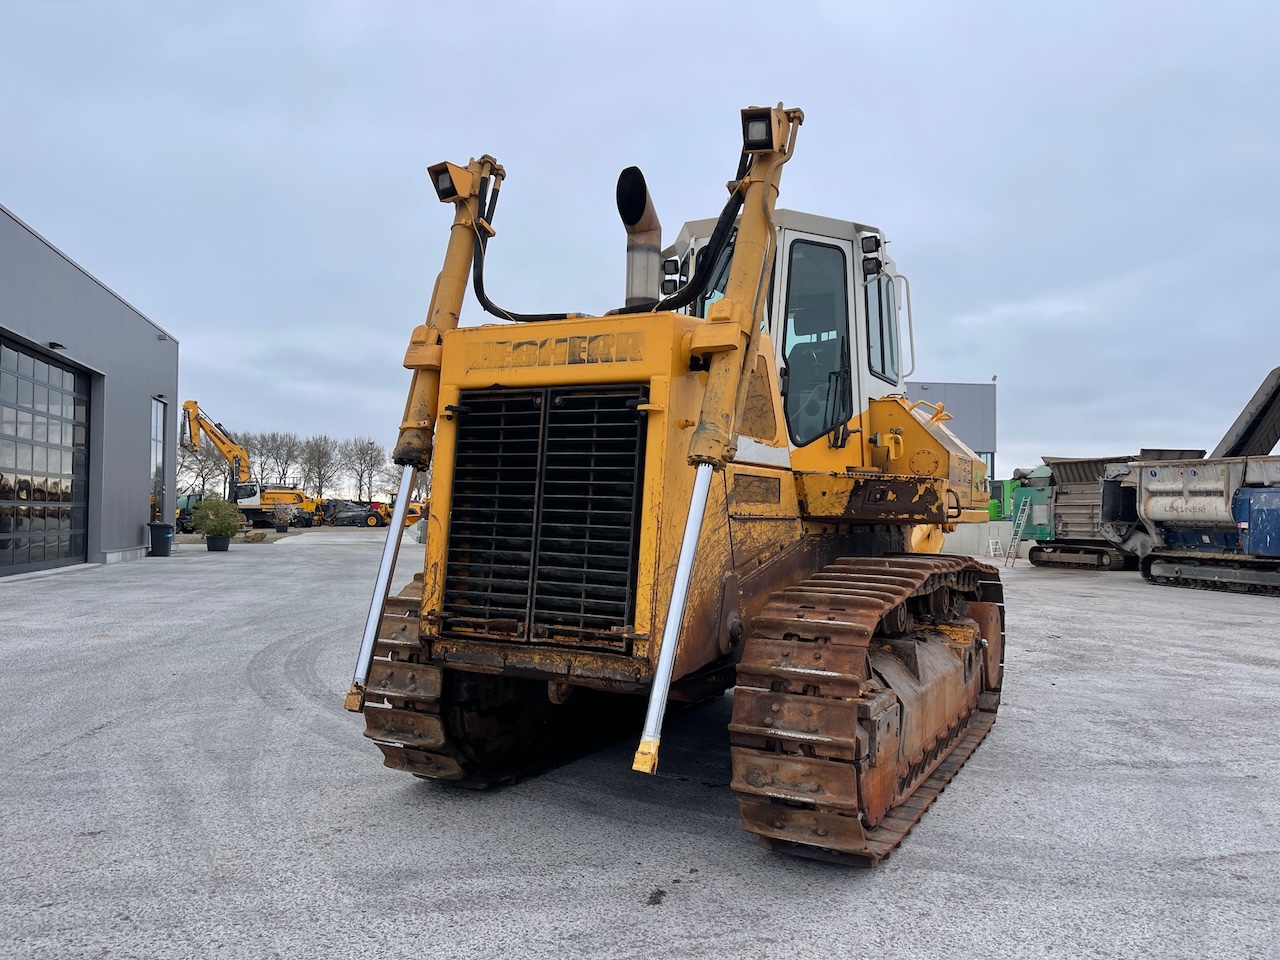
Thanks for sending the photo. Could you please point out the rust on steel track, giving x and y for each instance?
(471, 729)
(428, 721)
(834, 673)
(816, 703)
(403, 696)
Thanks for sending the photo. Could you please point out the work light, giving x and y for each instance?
(450, 181)
(764, 129)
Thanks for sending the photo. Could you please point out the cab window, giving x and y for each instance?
(720, 280)
(882, 328)
(719, 277)
(816, 341)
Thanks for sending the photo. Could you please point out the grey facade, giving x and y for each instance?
(88, 412)
(973, 410)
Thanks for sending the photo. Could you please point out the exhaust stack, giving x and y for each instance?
(644, 238)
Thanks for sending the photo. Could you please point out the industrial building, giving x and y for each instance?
(88, 428)
(973, 410)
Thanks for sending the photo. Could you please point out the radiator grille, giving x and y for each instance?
(544, 524)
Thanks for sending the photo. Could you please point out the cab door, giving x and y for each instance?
(816, 338)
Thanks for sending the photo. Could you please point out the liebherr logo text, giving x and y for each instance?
(554, 351)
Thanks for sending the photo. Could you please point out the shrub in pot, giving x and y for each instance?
(219, 520)
(281, 515)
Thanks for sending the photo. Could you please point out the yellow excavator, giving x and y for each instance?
(257, 501)
(717, 485)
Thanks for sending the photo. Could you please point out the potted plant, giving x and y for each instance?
(219, 520)
(281, 514)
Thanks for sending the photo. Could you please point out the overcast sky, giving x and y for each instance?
(1086, 197)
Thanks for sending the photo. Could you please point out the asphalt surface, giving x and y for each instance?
(182, 781)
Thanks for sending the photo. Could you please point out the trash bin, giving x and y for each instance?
(161, 539)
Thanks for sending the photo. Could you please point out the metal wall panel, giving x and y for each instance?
(51, 308)
(972, 406)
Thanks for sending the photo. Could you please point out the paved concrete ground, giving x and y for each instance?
(182, 781)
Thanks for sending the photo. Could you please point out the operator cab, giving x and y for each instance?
(247, 494)
(831, 310)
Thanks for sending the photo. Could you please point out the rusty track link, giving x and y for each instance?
(436, 723)
(468, 729)
(817, 718)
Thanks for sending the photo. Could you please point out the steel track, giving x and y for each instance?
(475, 731)
(470, 729)
(1116, 560)
(1198, 583)
(808, 708)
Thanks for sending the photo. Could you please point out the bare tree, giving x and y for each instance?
(422, 484)
(198, 470)
(389, 482)
(320, 463)
(277, 455)
(363, 458)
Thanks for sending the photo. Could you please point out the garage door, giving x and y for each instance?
(44, 418)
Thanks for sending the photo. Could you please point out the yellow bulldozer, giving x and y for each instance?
(718, 485)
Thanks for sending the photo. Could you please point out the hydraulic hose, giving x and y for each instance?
(681, 298)
(477, 284)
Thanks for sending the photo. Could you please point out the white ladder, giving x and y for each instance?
(1019, 524)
